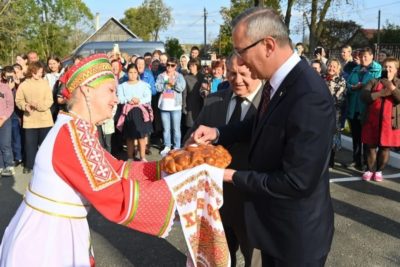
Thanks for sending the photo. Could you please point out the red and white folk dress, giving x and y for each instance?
(72, 172)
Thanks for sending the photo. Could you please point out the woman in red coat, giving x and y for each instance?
(381, 130)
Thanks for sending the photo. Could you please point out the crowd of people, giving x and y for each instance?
(171, 93)
(264, 103)
(366, 94)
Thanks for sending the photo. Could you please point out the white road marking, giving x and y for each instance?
(354, 178)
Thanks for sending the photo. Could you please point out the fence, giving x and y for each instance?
(391, 49)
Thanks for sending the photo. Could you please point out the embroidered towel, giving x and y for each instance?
(198, 196)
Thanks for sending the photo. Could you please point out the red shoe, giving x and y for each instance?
(367, 176)
(378, 177)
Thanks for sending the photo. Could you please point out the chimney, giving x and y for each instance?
(97, 21)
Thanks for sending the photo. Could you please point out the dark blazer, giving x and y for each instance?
(192, 102)
(289, 214)
(214, 114)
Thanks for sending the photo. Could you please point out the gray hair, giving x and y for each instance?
(229, 61)
(263, 22)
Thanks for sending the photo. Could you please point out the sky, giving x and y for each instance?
(188, 24)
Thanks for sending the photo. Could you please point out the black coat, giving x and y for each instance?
(192, 102)
(289, 214)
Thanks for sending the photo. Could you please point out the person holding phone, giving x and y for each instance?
(381, 130)
(319, 54)
(10, 77)
(170, 84)
(6, 110)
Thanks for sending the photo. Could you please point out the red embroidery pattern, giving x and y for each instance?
(209, 245)
(190, 194)
(91, 155)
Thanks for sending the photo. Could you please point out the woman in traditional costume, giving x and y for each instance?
(72, 172)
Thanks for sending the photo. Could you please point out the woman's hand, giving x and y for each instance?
(389, 87)
(134, 101)
(28, 108)
(171, 81)
(357, 86)
(34, 105)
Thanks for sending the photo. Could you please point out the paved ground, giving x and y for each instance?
(367, 222)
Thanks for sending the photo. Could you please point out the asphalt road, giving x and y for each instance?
(367, 225)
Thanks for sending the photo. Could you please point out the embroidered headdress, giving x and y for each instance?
(91, 71)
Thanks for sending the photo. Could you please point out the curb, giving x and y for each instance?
(394, 160)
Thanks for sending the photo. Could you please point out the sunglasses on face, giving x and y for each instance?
(171, 65)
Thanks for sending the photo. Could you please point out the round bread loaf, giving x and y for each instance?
(194, 155)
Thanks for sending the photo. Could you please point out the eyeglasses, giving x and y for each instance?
(171, 65)
(240, 52)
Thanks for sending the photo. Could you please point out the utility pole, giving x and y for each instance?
(304, 27)
(205, 32)
(379, 31)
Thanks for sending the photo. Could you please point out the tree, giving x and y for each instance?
(49, 28)
(136, 20)
(315, 12)
(390, 34)
(224, 43)
(173, 48)
(12, 23)
(316, 24)
(147, 20)
(288, 14)
(54, 24)
(336, 33)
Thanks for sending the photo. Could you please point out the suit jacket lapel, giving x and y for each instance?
(254, 104)
(226, 99)
(277, 98)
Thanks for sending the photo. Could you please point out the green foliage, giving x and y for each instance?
(314, 11)
(390, 34)
(224, 43)
(147, 20)
(336, 33)
(173, 48)
(50, 27)
(136, 20)
(315, 14)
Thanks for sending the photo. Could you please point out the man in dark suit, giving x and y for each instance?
(238, 102)
(289, 215)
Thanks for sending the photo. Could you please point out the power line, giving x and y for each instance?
(368, 8)
(192, 24)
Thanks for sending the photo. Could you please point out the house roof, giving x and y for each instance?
(362, 37)
(111, 20)
(369, 33)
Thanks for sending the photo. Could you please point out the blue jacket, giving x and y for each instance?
(147, 76)
(362, 75)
